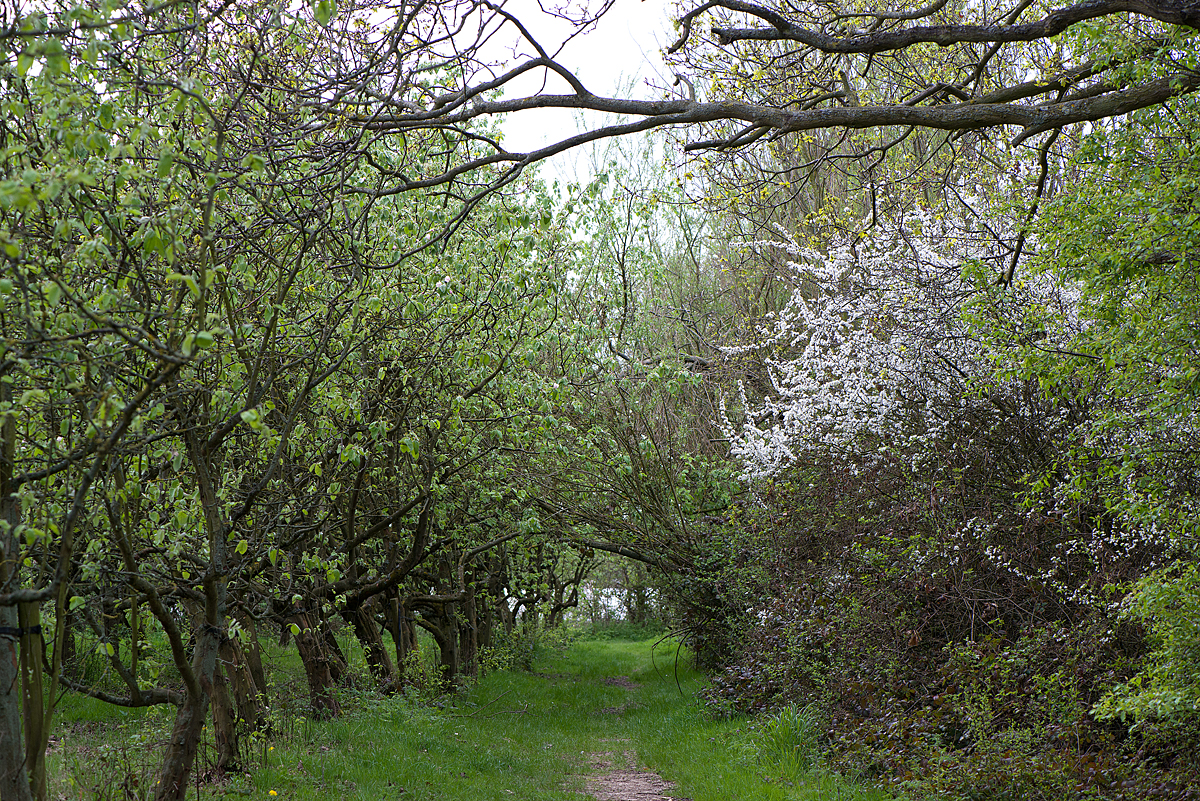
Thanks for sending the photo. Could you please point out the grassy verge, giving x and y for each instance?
(514, 735)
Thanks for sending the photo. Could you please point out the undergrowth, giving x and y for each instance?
(513, 734)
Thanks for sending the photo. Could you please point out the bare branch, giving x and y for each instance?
(1173, 13)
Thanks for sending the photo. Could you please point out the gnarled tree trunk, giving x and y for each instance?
(14, 782)
(180, 758)
(311, 646)
(378, 661)
(469, 634)
(246, 692)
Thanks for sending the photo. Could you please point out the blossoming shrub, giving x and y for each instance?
(933, 577)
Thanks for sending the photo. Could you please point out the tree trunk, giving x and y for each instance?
(67, 636)
(406, 638)
(316, 668)
(33, 692)
(469, 643)
(225, 729)
(448, 645)
(215, 686)
(184, 743)
(378, 661)
(339, 667)
(14, 782)
(507, 618)
(485, 620)
(246, 692)
(391, 622)
(253, 657)
(180, 758)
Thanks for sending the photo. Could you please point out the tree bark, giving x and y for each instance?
(469, 641)
(33, 690)
(224, 717)
(380, 664)
(14, 781)
(253, 661)
(246, 692)
(448, 645)
(67, 638)
(339, 667)
(316, 668)
(406, 638)
(180, 757)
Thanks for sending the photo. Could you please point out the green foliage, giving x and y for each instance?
(790, 738)
(936, 669)
(623, 630)
(1168, 604)
(526, 646)
(1126, 239)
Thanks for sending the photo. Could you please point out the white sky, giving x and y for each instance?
(624, 48)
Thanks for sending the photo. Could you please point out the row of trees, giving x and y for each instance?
(247, 386)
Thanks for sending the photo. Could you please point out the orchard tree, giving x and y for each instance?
(761, 72)
(157, 312)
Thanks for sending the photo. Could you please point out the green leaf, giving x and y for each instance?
(165, 161)
(192, 285)
(293, 628)
(56, 57)
(255, 163)
(242, 546)
(324, 10)
(76, 602)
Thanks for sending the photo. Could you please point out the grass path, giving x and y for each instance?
(599, 709)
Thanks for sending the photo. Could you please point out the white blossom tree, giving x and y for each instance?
(872, 352)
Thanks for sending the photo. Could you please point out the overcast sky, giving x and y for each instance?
(624, 47)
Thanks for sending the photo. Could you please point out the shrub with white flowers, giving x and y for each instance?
(896, 348)
(872, 353)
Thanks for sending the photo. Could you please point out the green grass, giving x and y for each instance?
(518, 735)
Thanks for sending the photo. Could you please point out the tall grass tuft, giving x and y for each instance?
(790, 738)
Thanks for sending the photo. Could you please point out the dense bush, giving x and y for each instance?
(974, 506)
(953, 679)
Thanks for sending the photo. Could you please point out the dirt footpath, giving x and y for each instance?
(616, 777)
